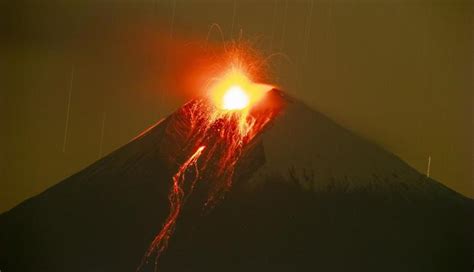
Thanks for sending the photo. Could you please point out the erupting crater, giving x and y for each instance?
(235, 91)
(210, 135)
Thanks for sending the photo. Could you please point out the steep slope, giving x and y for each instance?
(308, 146)
(308, 195)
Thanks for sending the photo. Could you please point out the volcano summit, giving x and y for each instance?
(282, 188)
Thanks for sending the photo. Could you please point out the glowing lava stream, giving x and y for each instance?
(223, 128)
(176, 197)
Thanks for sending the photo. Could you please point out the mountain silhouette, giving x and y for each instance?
(308, 195)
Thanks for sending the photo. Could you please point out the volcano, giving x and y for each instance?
(306, 194)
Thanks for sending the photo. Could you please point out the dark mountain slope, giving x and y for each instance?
(319, 198)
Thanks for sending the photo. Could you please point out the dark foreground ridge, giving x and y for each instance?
(309, 195)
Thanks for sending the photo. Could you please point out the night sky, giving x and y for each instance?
(396, 72)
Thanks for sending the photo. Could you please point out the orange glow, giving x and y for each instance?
(224, 122)
(235, 91)
(235, 98)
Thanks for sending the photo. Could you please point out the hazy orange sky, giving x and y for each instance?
(396, 72)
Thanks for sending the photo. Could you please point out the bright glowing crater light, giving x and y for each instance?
(235, 98)
(234, 91)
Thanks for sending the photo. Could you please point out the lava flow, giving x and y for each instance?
(210, 135)
(175, 197)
